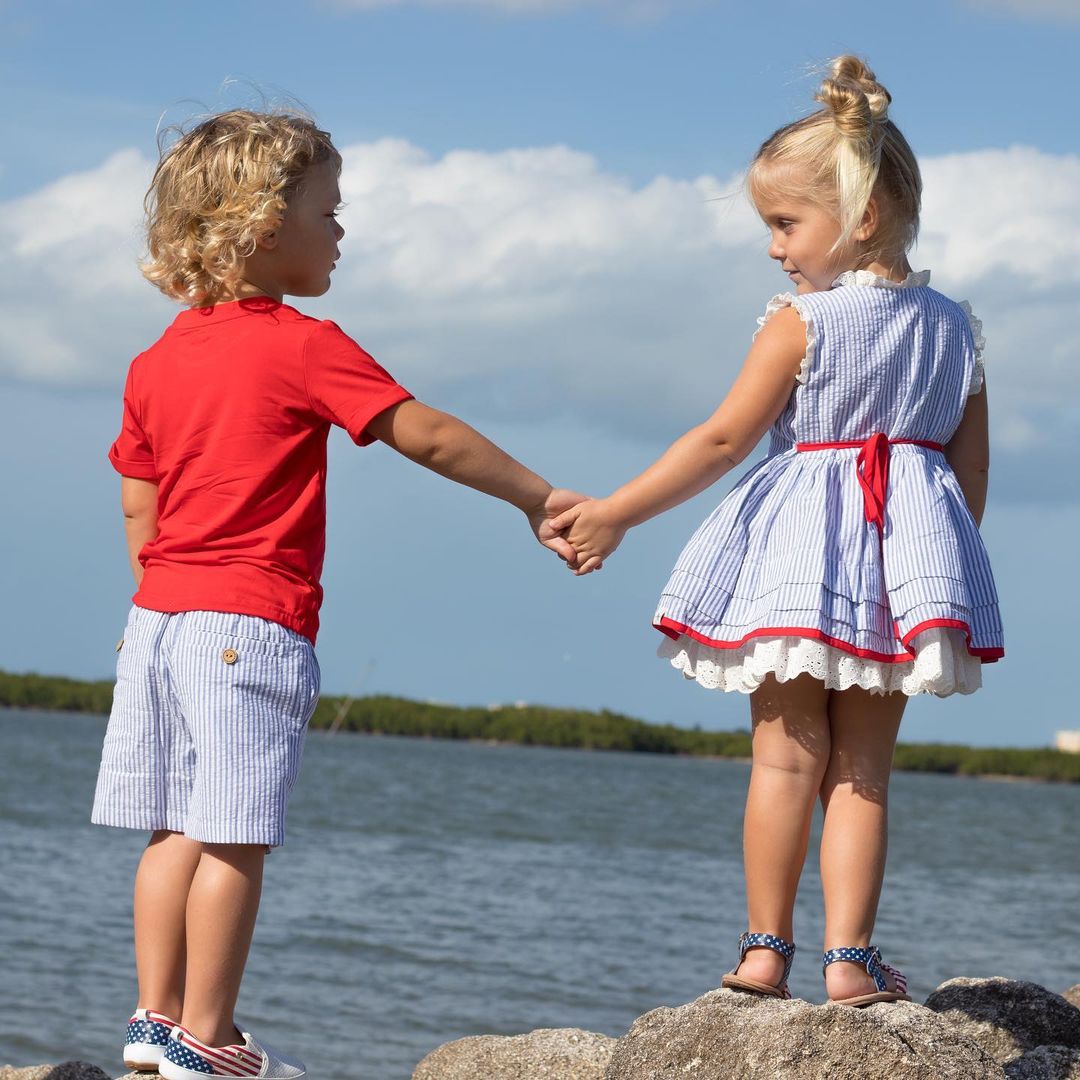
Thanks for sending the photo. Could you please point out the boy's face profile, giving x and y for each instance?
(296, 259)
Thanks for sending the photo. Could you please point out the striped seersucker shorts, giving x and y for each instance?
(207, 726)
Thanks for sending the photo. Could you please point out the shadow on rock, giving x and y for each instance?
(1010, 1019)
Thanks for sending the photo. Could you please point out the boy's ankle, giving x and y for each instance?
(171, 1009)
(215, 1033)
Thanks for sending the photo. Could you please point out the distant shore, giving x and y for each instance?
(539, 725)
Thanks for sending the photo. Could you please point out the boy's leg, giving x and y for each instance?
(791, 751)
(854, 795)
(222, 904)
(164, 877)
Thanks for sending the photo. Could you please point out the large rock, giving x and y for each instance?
(1046, 1063)
(69, 1070)
(1008, 1017)
(544, 1054)
(725, 1035)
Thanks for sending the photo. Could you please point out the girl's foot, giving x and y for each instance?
(764, 966)
(858, 976)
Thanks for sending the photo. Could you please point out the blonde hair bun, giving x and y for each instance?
(844, 154)
(857, 101)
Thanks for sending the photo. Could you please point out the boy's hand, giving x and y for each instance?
(540, 518)
(594, 532)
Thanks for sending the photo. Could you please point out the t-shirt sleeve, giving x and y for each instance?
(344, 384)
(132, 454)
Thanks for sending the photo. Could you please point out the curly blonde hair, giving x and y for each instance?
(218, 189)
(848, 151)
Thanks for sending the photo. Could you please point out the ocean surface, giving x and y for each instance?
(430, 890)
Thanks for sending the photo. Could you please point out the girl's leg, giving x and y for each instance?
(854, 795)
(791, 751)
(221, 907)
(161, 890)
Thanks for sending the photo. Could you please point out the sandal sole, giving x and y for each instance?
(749, 986)
(870, 999)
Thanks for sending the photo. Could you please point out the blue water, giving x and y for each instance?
(430, 890)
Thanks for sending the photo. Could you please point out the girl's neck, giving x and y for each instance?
(892, 269)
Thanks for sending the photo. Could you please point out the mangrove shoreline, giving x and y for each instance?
(539, 725)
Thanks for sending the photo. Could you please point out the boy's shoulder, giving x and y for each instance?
(250, 320)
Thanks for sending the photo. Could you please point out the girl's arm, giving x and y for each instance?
(968, 454)
(449, 447)
(704, 454)
(139, 502)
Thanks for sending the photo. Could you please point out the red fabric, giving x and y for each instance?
(229, 413)
(872, 466)
(675, 630)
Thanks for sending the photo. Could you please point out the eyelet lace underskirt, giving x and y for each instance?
(942, 664)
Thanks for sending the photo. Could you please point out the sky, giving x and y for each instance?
(545, 234)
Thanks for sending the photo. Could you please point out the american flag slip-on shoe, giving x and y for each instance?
(186, 1058)
(147, 1037)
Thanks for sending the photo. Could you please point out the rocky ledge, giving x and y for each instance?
(968, 1029)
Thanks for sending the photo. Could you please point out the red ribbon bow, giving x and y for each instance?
(872, 466)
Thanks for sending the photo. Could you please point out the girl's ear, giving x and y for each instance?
(870, 221)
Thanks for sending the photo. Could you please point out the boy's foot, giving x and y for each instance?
(186, 1058)
(147, 1036)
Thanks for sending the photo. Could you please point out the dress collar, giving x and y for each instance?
(916, 279)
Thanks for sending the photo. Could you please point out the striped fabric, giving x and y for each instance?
(207, 727)
(790, 552)
(197, 1057)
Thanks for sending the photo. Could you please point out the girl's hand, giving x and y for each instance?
(543, 527)
(594, 532)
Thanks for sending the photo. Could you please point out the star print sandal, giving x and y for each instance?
(876, 968)
(733, 981)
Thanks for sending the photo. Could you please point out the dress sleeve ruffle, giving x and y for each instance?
(976, 325)
(777, 303)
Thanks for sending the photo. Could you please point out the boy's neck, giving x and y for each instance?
(248, 290)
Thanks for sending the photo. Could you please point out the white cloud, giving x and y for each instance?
(532, 284)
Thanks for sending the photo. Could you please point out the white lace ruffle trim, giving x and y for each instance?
(778, 303)
(917, 279)
(980, 343)
(942, 664)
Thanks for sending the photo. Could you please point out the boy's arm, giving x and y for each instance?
(449, 447)
(139, 502)
(968, 453)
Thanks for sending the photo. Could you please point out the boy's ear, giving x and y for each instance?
(268, 241)
(870, 221)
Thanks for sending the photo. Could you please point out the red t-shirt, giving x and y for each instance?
(229, 413)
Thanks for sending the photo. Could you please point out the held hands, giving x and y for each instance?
(541, 519)
(593, 531)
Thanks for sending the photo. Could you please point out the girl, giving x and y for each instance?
(845, 572)
(222, 456)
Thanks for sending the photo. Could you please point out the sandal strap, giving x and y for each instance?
(870, 958)
(769, 941)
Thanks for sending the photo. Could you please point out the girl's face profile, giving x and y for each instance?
(801, 239)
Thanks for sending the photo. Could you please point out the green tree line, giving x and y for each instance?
(539, 725)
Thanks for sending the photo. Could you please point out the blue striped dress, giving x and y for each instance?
(812, 564)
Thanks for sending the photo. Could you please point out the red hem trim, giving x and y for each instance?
(988, 655)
